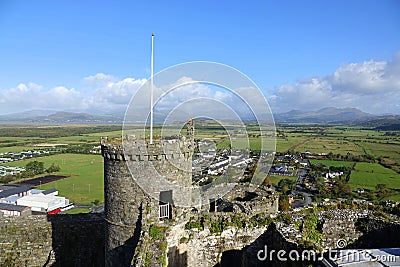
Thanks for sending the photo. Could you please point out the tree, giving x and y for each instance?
(311, 227)
(36, 167)
(6, 179)
(53, 168)
(343, 188)
(380, 187)
(285, 185)
(284, 203)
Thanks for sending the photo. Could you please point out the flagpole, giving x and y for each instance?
(151, 88)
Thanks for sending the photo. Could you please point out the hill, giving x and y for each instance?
(329, 115)
(57, 117)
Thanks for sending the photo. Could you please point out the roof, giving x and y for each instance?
(13, 191)
(11, 199)
(49, 191)
(40, 198)
(36, 191)
(12, 207)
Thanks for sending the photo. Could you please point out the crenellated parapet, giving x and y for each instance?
(140, 150)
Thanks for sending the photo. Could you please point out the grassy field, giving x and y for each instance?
(287, 142)
(333, 163)
(275, 179)
(23, 138)
(388, 153)
(16, 148)
(78, 210)
(241, 143)
(368, 175)
(326, 145)
(393, 197)
(86, 181)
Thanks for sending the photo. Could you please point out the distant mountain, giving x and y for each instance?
(391, 127)
(328, 115)
(27, 114)
(60, 117)
(385, 122)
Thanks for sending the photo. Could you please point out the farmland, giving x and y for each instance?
(368, 175)
(338, 146)
(321, 145)
(332, 163)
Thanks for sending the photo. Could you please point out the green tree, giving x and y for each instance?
(53, 168)
(311, 227)
(283, 203)
(36, 167)
(285, 185)
(381, 187)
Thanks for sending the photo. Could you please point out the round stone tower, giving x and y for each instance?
(132, 198)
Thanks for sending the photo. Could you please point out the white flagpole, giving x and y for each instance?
(151, 88)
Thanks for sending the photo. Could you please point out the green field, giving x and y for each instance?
(333, 163)
(368, 175)
(24, 137)
(289, 141)
(326, 145)
(241, 143)
(275, 179)
(6, 149)
(393, 197)
(388, 153)
(84, 170)
(78, 210)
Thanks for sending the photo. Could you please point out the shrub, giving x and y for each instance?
(238, 222)
(193, 224)
(217, 227)
(183, 239)
(156, 232)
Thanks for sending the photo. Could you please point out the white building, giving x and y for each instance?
(14, 210)
(39, 202)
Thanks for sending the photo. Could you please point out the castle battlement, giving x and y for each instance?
(132, 149)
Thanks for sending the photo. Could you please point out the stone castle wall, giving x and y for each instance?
(54, 240)
(78, 240)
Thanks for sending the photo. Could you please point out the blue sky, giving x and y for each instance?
(293, 50)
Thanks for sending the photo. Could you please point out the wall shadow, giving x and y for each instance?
(77, 239)
(268, 241)
(231, 258)
(377, 234)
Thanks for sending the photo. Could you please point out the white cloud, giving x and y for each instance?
(32, 96)
(106, 97)
(99, 78)
(372, 86)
